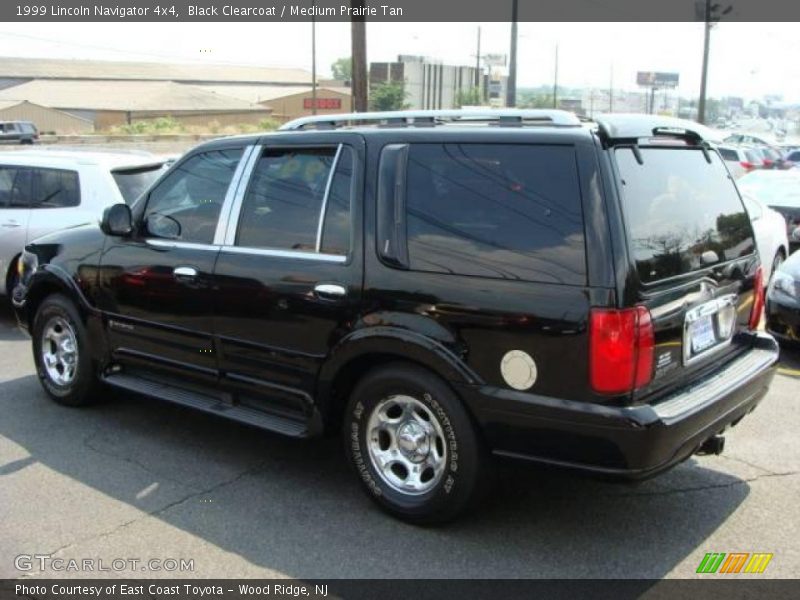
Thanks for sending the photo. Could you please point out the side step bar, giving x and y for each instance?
(209, 404)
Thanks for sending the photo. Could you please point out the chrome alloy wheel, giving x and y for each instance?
(406, 445)
(59, 351)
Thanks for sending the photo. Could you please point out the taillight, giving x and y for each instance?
(747, 165)
(758, 299)
(620, 349)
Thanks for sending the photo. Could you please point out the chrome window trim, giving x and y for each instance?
(159, 243)
(230, 195)
(229, 236)
(274, 252)
(323, 208)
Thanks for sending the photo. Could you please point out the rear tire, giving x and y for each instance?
(61, 353)
(413, 445)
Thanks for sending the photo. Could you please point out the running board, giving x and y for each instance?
(209, 404)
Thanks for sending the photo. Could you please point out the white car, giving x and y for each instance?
(769, 227)
(740, 160)
(45, 190)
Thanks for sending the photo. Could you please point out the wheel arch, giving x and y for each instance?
(366, 350)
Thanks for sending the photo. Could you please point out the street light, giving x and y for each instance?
(710, 14)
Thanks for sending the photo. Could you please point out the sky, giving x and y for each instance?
(747, 59)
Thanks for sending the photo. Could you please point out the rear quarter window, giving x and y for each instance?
(681, 213)
(495, 210)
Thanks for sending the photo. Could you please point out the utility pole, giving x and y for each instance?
(555, 81)
(478, 62)
(511, 86)
(611, 89)
(711, 14)
(359, 59)
(313, 59)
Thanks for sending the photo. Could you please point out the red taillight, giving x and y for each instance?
(747, 165)
(758, 299)
(620, 349)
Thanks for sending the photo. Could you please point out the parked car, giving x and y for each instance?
(792, 157)
(769, 227)
(740, 160)
(43, 190)
(749, 138)
(783, 302)
(20, 132)
(435, 289)
(780, 190)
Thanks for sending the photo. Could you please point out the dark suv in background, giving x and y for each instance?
(437, 286)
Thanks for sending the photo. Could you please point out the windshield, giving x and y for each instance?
(682, 213)
(773, 188)
(132, 183)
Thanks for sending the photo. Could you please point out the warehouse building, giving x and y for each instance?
(46, 119)
(289, 102)
(106, 104)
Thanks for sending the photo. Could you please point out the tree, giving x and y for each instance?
(529, 100)
(469, 97)
(342, 69)
(388, 96)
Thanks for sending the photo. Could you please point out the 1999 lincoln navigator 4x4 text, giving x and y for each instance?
(440, 287)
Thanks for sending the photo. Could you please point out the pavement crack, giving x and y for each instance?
(155, 513)
(749, 464)
(703, 488)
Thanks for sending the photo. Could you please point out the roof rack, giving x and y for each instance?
(431, 118)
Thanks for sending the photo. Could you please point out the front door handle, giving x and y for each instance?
(330, 291)
(11, 224)
(184, 272)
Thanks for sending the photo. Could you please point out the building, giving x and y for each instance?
(109, 93)
(46, 119)
(428, 84)
(107, 104)
(288, 102)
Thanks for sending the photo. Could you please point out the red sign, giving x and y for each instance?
(323, 103)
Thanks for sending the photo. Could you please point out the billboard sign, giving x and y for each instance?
(323, 103)
(495, 60)
(657, 79)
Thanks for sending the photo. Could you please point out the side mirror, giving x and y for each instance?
(117, 220)
(163, 226)
(795, 235)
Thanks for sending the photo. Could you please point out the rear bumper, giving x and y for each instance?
(630, 442)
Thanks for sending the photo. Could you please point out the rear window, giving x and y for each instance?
(728, 154)
(132, 183)
(495, 210)
(682, 213)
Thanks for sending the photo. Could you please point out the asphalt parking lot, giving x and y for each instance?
(133, 478)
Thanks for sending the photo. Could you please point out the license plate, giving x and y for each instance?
(703, 335)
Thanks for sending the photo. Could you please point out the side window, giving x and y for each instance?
(728, 154)
(186, 204)
(7, 176)
(494, 210)
(55, 188)
(283, 203)
(15, 187)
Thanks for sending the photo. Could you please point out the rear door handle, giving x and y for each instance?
(330, 291)
(184, 272)
(11, 224)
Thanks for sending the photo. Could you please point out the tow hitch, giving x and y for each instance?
(713, 445)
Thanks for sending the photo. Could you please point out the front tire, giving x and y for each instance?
(61, 353)
(413, 445)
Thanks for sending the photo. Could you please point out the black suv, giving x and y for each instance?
(438, 286)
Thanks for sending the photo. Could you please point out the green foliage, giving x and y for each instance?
(150, 127)
(342, 69)
(535, 100)
(388, 96)
(469, 97)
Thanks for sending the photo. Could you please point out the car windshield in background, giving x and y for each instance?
(132, 183)
(773, 188)
(683, 214)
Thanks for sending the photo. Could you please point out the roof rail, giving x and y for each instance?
(431, 118)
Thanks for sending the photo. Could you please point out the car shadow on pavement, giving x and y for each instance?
(294, 508)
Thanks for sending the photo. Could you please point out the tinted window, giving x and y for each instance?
(678, 207)
(14, 187)
(55, 188)
(283, 202)
(728, 154)
(491, 210)
(132, 183)
(794, 156)
(192, 194)
(337, 223)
